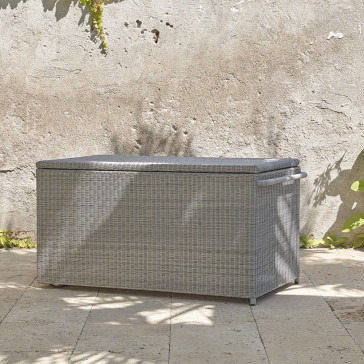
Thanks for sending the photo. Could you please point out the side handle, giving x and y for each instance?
(274, 181)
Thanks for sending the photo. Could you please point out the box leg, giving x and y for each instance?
(56, 285)
(296, 281)
(252, 301)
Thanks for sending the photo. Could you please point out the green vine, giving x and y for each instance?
(96, 9)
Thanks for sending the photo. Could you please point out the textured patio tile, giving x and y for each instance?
(134, 324)
(44, 303)
(286, 326)
(358, 255)
(312, 349)
(5, 306)
(209, 329)
(10, 292)
(135, 315)
(134, 294)
(29, 268)
(322, 254)
(144, 341)
(335, 290)
(34, 357)
(331, 264)
(288, 299)
(292, 294)
(125, 307)
(289, 302)
(227, 357)
(16, 278)
(348, 309)
(37, 309)
(9, 295)
(106, 357)
(242, 357)
(19, 256)
(356, 330)
(218, 339)
(210, 311)
(334, 272)
(286, 316)
(36, 336)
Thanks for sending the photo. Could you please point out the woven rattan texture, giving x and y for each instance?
(170, 164)
(204, 233)
(172, 232)
(276, 233)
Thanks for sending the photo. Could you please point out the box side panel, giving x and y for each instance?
(276, 232)
(178, 232)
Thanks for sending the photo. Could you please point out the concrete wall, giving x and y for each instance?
(249, 78)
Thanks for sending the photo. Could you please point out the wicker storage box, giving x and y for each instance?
(210, 226)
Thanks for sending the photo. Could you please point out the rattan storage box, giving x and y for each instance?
(209, 226)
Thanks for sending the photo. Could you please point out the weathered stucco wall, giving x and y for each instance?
(253, 78)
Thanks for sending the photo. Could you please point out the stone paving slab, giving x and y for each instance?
(41, 303)
(36, 357)
(302, 348)
(106, 357)
(39, 336)
(319, 320)
(356, 330)
(239, 357)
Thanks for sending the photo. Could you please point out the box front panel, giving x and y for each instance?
(277, 232)
(178, 232)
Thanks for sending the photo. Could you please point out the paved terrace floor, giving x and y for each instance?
(321, 320)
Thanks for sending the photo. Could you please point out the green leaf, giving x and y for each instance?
(357, 243)
(5, 242)
(353, 222)
(358, 186)
(303, 241)
(331, 236)
(342, 240)
(311, 243)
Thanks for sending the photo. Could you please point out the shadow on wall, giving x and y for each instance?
(351, 202)
(155, 140)
(13, 3)
(63, 7)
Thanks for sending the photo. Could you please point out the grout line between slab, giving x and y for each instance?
(333, 312)
(260, 336)
(93, 303)
(18, 299)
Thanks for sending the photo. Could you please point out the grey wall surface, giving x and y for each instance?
(248, 78)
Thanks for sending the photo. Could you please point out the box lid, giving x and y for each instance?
(169, 164)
